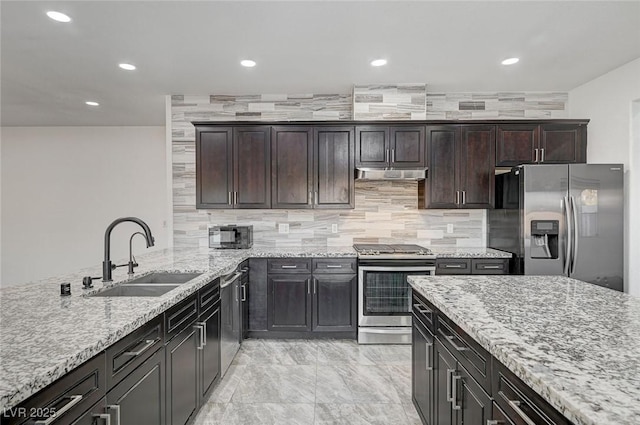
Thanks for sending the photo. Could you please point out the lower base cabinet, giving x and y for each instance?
(210, 353)
(140, 397)
(334, 303)
(422, 366)
(182, 376)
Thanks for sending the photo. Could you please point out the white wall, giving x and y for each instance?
(607, 101)
(62, 186)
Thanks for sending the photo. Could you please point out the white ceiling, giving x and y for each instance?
(49, 69)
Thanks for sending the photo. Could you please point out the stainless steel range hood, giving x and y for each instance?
(391, 174)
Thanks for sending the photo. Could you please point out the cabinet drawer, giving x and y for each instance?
(490, 266)
(424, 311)
(180, 316)
(334, 265)
(69, 397)
(453, 266)
(208, 296)
(519, 402)
(289, 265)
(466, 350)
(132, 350)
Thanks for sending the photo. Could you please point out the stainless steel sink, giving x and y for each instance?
(164, 278)
(127, 290)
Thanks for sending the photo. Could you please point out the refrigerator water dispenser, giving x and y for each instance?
(544, 238)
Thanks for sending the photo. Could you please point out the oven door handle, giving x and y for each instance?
(386, 330)
(431, 269)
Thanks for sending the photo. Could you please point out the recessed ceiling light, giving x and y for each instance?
(127, 66)
(92, 103)
(378, 62)
(248, 63)
(58, 16)
(510, 61)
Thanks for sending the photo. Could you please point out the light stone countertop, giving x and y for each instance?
(574, 343)
(44, 335)
(470, 253)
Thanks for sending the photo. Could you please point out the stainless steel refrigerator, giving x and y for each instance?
(564, 219)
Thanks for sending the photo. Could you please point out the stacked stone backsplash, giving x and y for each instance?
(385, 211)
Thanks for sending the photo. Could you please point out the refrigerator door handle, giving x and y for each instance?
(575, 235)
(569, 240)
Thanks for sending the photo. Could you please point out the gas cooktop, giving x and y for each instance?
(392, 251)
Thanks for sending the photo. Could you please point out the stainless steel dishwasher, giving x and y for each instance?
(230, 319)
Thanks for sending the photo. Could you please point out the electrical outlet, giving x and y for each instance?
(283, 228)
(449, 228)
(334, 228)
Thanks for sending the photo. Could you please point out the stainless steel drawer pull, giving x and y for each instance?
(334, 266)
(454, 396)
(494, 422)
(491, 267)
(453, 266)
(450, 338)
(115, 407)
(289, 267)
(450, 373)
(148, 344)
(515, 405)
(427, 360)
(244, 292)
(74, 399)
(105, 416)
(417, 307)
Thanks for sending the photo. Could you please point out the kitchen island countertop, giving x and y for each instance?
(574, 343)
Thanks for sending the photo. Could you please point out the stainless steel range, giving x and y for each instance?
(384, 295)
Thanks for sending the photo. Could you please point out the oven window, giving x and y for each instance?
(386, 293)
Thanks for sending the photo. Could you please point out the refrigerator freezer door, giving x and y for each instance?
(596, 191)
(545, 189)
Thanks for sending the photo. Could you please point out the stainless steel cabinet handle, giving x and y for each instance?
(115, 407)
(450, 338)
(204, 332)
(105, 416)
(464, 197)
(148, 344)
(235, 198)
(308, 286)
(386, 156)
(315, 198)
(393, 155)
(310, 198)
(334, 266)
(576, 236)
(569, 241)
(289, 267)
(453, 266)
(457, 197)
(454, 396)
(230, 199)
(536, 155)
(75, 399)
(201, 332)
(315, 285)
(491, 267)
(427, 346)
(426, 311)
(450, 373)
(542, 155)
(244, 292)
(515, 405)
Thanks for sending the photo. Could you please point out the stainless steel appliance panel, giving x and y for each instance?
(230, 319)
(544, 198)
(596, 197)
(385, 335)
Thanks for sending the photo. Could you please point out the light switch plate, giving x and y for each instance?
(449, 228)
(334, 228)
(283, 228)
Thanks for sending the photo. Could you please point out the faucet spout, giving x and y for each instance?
(107, 266)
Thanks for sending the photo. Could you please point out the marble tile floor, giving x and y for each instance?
(314, 382)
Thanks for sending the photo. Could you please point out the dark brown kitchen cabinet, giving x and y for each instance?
(292, 167)
(209, 362)
(461, 161)
(333, 178)
(535, 143)
(390, 146)
(334, 302)
(446, 266)
(140, 397)
(422, 367)
(444, 365)
(289, 303)
(182, 389)
(232, 167)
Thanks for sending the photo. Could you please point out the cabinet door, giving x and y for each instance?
(334, 302)
(563, 143)
(214, 167)
(141, 395)
(441, 182)
(422, 372)
(372, 147)
(182, 376)
(333, 167)
(516, 144)
(289, 306)
(291, 167)
(252, 170)
(94, 416)
(477, 166)
(474, 403)
(210, 353)
(257, 294)
(444, 367)
(407, 147)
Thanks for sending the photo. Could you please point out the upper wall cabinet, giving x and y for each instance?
(401, 146)
(333, 165)
(292, 167)
(541, 143)
(461, 161)
(232, 167)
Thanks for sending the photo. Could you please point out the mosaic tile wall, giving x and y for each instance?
(496, 105)
(389, 102)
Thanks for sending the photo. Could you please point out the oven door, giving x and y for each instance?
(385, 294)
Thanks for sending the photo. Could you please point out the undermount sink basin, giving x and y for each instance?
(127, 290)
(164, 278)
